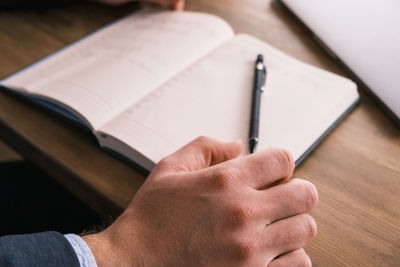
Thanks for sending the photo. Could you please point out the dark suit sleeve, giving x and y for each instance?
(41, 249)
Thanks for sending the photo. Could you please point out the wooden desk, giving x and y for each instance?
(356, 168)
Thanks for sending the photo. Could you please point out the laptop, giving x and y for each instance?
(364, 36)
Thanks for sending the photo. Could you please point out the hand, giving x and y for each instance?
(202, 207)
(175, 4)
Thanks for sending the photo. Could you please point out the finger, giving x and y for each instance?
(200, 153)
(285, 200)
(289, 234)
(261, 170)
(294, 258)
(179, 5)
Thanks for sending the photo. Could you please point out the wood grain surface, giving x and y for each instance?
(356, 168)
(7, 154)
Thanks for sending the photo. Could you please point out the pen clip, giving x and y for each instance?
(264, 72)
(264, 75)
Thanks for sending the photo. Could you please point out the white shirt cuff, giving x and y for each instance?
(83, 252)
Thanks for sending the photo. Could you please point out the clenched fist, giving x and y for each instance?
(203, 206)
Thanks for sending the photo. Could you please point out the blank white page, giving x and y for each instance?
(106, 72)
(213, 98)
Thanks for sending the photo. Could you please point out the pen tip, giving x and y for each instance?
(260, 58)
(252, 145)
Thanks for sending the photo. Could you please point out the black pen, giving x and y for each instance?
(260, 75)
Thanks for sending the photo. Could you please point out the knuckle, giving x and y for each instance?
(245, 250)
(166, 162)
(241, 214)
(302, 259)
(310, 194)
(285, 161)
(203, 139)
(226, 177)
(309, 226)
(306, 261)
(303, 229)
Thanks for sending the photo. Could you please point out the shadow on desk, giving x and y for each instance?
(30, 201)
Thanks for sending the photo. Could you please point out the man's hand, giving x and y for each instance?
(202, 206)
(175, 4)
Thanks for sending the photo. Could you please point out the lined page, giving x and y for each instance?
(105, 73)
(213, 98)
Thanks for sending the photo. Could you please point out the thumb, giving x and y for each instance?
(199, 154)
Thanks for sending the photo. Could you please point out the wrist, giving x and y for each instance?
(118, 245)
(103, 249)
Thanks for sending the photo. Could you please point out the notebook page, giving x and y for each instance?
(105, 73)
(213, 98)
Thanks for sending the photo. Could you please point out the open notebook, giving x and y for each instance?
(153, 81)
